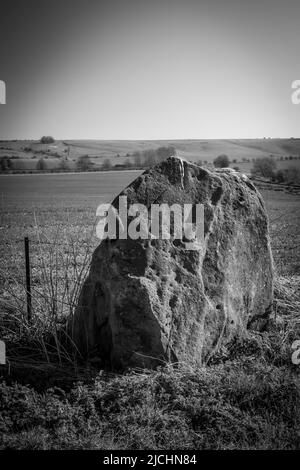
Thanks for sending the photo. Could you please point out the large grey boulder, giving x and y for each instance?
(150, 301)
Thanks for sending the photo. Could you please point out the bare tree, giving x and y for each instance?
(222, 161)
(264, 167)
(84, 163)
(47, 139)
(41, 165)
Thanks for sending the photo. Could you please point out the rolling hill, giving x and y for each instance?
(241, 152)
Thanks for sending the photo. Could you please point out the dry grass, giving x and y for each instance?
(39, 346)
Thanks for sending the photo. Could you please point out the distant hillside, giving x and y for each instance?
(190, 149)
(241, 152)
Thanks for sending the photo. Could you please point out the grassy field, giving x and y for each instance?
(69, 201)
(25, 154)
(247, 397)
(79, 191)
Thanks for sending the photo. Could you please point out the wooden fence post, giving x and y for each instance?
(28, 285)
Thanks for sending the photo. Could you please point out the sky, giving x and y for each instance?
(159, 69)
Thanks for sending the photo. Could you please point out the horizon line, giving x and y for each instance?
(151, 140)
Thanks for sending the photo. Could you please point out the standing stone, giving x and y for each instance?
(150, 301)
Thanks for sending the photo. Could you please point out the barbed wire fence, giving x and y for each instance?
(46, 276)
(50, 268)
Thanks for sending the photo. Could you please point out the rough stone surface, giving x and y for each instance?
(146, 302)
